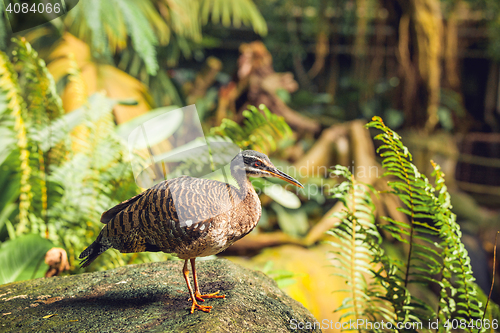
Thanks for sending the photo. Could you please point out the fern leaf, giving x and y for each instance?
(138, 20)
(412, 189)
(92, 10)
(44, 104)
(357, 245)
(456, 263)
(434, 247)
(9, 88)
(261, 129)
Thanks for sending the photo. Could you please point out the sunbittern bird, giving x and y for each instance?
(191, 217)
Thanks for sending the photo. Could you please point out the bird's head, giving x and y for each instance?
(258, 165)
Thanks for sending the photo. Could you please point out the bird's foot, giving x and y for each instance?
(204, 308)
(201, 297)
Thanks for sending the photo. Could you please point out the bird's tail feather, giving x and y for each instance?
(92, 252)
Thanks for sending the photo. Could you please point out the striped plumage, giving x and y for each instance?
(188, 216)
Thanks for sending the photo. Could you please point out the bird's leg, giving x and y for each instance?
(195, 305)
(197, 293)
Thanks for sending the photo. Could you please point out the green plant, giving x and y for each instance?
(261, 129)
(59, 171)
(283, 278)
(141, 37)
(22, 258)
(357, 248)
(386, 287)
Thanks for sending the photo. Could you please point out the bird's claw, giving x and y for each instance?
(212, 295)
(204, 308)
(201, 298)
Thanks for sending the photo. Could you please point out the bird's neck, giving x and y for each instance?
(244, 185)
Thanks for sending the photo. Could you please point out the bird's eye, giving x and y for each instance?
(257, 164)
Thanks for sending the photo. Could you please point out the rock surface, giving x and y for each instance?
(314, 279)
(150, 298)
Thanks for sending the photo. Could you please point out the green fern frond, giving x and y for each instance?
(456, 262)
(59, 198)
(261, 129)
(39, 89)
(92, 12)
(412, 188)
(91, 179)
(9, 88)
(184, 18)
(44, 105)
(357, 246)
(433, 239)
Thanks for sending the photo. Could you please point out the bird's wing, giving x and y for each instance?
(181, 203)
(111, 213)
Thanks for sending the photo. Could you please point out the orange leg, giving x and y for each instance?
(195, 305)
(197, 293)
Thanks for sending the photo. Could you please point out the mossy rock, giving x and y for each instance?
(313, 281)
(150, 298)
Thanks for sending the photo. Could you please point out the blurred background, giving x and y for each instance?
(73, 89)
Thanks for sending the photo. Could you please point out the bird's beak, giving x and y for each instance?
(281, 175)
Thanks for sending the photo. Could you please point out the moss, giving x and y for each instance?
(149, 297)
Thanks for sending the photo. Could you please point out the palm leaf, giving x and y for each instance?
(239, 11)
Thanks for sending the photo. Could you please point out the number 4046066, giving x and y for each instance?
(34, 8)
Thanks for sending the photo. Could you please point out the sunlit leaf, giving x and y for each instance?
(291, 221)
(22, 258)
(280, 195)
(96, 77)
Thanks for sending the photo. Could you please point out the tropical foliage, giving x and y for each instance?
(386, 286)
(357, 248)
(365, 85)
(60, 171)
(120, 46)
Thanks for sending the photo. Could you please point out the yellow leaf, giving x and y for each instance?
(96, 77)
(120, 85)
(50, 315)
(71, 44)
